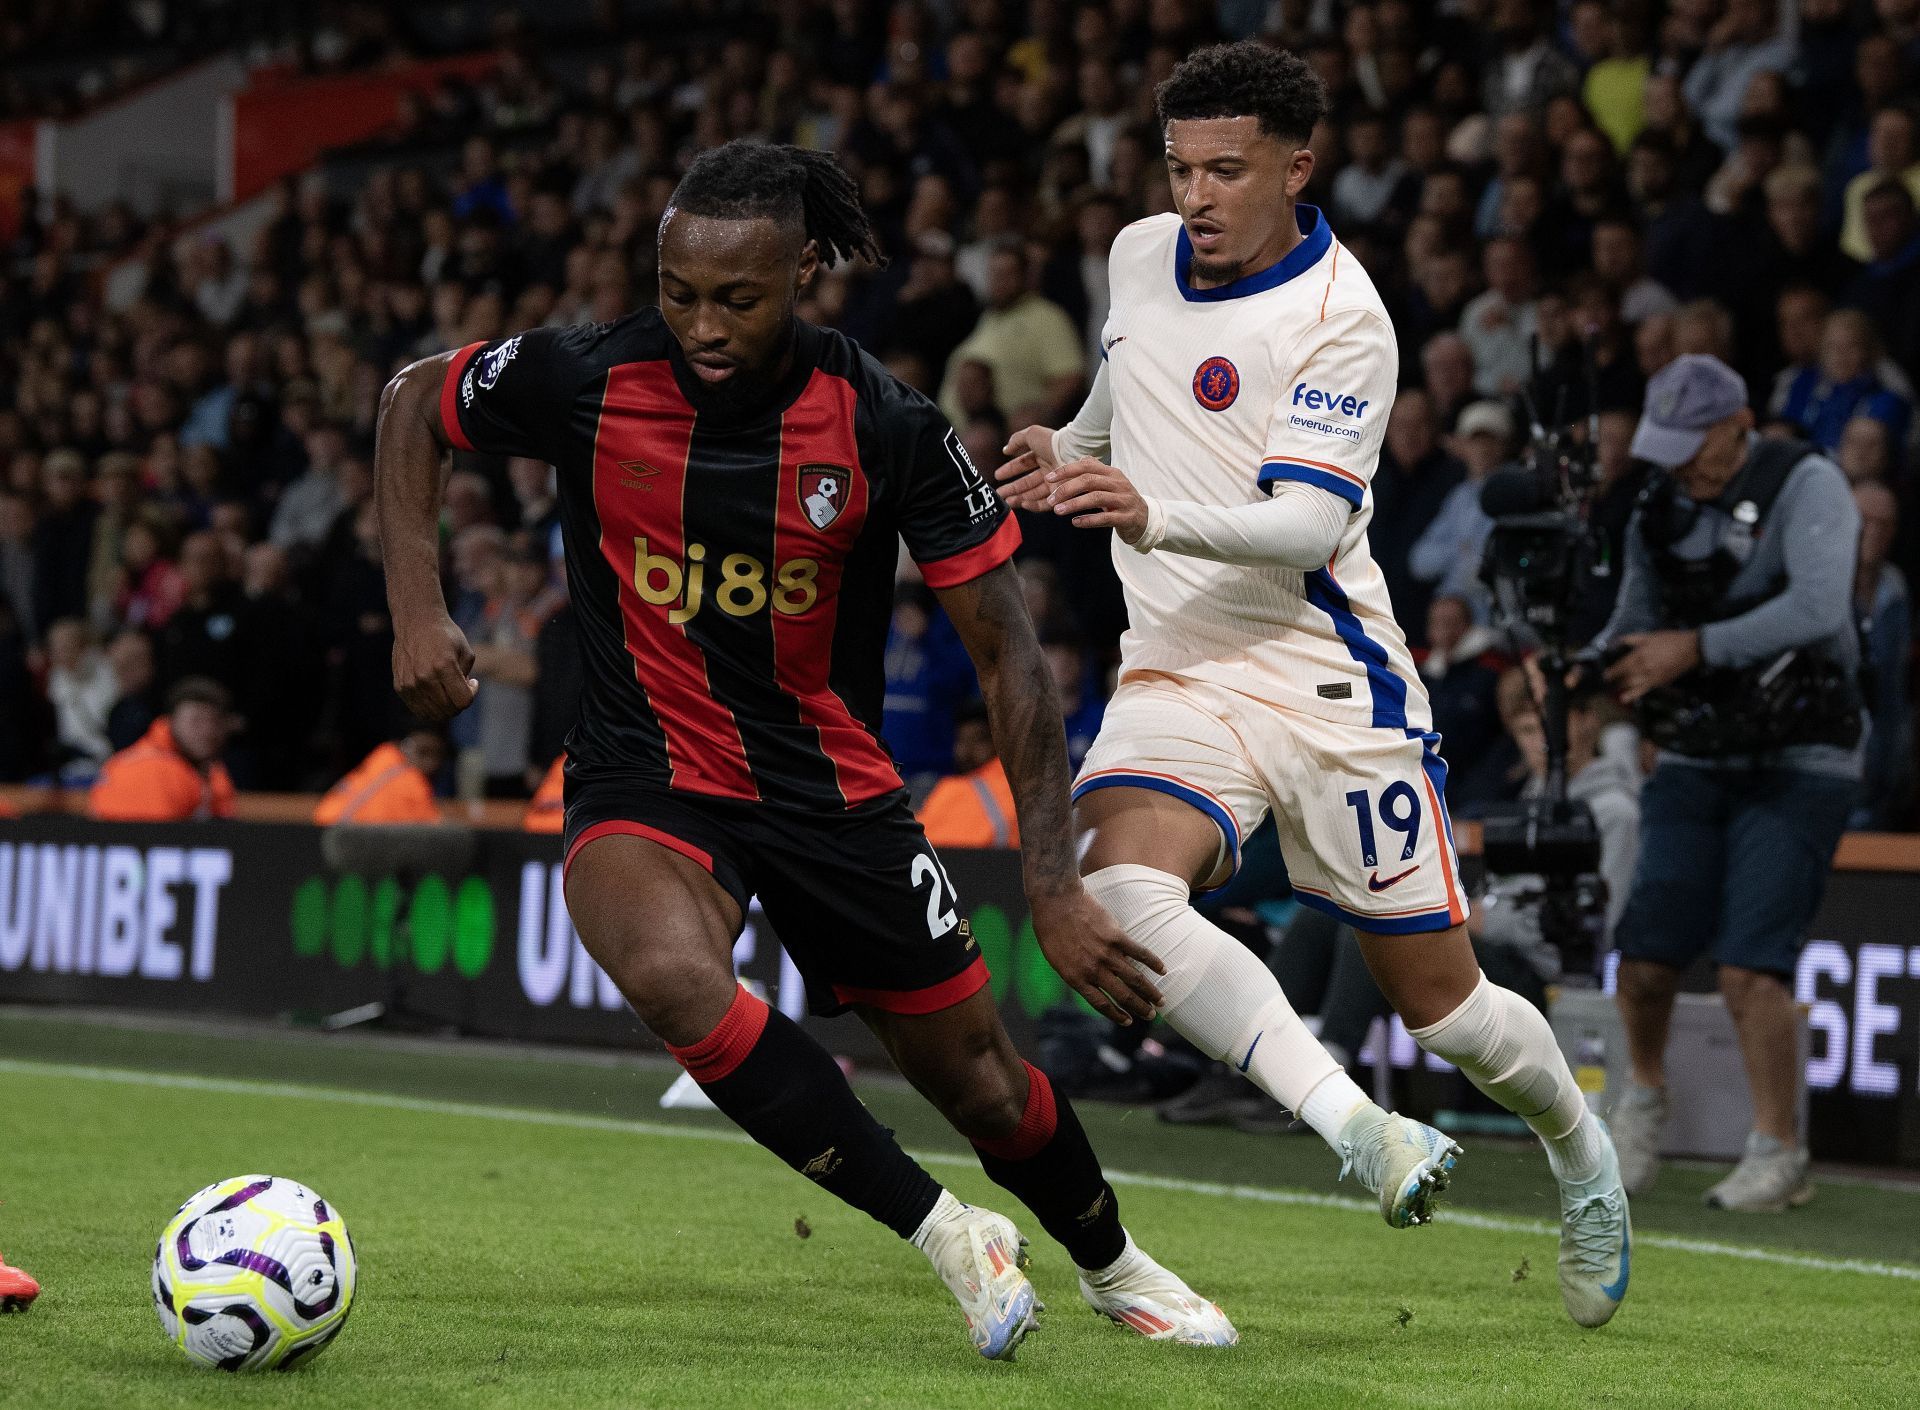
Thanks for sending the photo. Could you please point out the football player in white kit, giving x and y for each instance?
(1249, 368)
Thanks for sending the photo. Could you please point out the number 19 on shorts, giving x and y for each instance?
(1398, 811)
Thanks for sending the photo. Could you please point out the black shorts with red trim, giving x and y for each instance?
(857, 896)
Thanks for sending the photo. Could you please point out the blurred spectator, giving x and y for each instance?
(1460, 667)
(1889, 287)
(974, 806)
(1499, 325)
(1866, 450)
(1617, 261)
(1448, 552)
(17, 562)
(393, 784)
(134, 679)
(1077, 686)
(1743, 42)
(517, 605)
(151, 587)
(1893, 158)
(928, 674)
(1527, 70)
(308, 507)
(173, 772)
(63, 539)
(81, 689)
(207, 634)
(1822, 399)
(936, 311)
(1028, 346)
(1412, 483)
(1682, 238)
(1614, 44)
(1447, 365)
(1800, 317)
(1885, 612)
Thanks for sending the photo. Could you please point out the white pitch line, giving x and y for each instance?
(582, 1122)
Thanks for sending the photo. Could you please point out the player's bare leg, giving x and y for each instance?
(1031, 1143)
(1146, 852)
(1505, 1047)
(663, 930)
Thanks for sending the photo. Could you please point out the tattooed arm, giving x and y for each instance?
(1078, 937)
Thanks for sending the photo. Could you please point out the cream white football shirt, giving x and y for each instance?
(1216, 394)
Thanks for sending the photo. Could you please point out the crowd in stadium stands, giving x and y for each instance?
(185, 446)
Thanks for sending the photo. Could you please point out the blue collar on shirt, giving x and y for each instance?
(1316, 236)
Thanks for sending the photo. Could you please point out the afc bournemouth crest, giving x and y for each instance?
(823, 492)
(1216, 382)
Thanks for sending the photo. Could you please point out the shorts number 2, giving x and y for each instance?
(926, 868)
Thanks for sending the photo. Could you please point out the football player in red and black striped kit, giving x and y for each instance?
(734, 483)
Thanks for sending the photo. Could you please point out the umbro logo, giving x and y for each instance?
(634, 474)
(1375, 884)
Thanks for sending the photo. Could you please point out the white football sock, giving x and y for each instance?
(1225, 1001)
(1505, 1047)
(944, 1208)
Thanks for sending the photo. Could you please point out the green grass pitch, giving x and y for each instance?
(534, 1232)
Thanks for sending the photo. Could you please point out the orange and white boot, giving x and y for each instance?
(17, 1289)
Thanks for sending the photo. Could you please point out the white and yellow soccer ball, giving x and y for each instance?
(253, 1273)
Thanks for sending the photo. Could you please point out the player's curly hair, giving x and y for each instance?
(745, 179)
(1245, 79)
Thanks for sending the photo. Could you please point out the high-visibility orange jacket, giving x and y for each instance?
(152, 781)
(547, 811)
(972, 810)
(385, 788)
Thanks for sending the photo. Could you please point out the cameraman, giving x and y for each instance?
(1734, 634)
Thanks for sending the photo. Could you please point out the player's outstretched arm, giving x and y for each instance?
(432, 662)
(1299, 527)
(1078, 937)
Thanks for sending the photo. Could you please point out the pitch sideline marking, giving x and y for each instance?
(581, 1121)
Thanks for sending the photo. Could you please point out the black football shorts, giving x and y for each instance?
(857, 896)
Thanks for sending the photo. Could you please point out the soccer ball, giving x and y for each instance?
(253, 1273)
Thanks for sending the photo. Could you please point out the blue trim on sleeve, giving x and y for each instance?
(1389, 691)
(1426, 922)
(1316, 238)
(1274, 471)
(1186, 793)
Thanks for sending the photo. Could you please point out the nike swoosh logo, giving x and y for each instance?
(1250, 1047)
(1375, 884)
(1618, 1289)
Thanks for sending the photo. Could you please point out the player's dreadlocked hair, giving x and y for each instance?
(744, 179)
(1247, 79)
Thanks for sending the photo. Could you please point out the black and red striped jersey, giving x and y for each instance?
(732, 572)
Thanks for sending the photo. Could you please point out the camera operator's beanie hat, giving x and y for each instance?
(1685, 397)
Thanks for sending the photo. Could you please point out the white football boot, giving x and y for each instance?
(982, 1259)
(1136, 1292)
(1405, 1162)
(1596, 1242)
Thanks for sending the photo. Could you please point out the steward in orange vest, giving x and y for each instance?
(547, 811)
(173, 772)
(393, 784)
(972, 810)
(974, 806)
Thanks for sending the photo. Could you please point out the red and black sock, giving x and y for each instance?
(785, 1091)
(1049, 1165)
